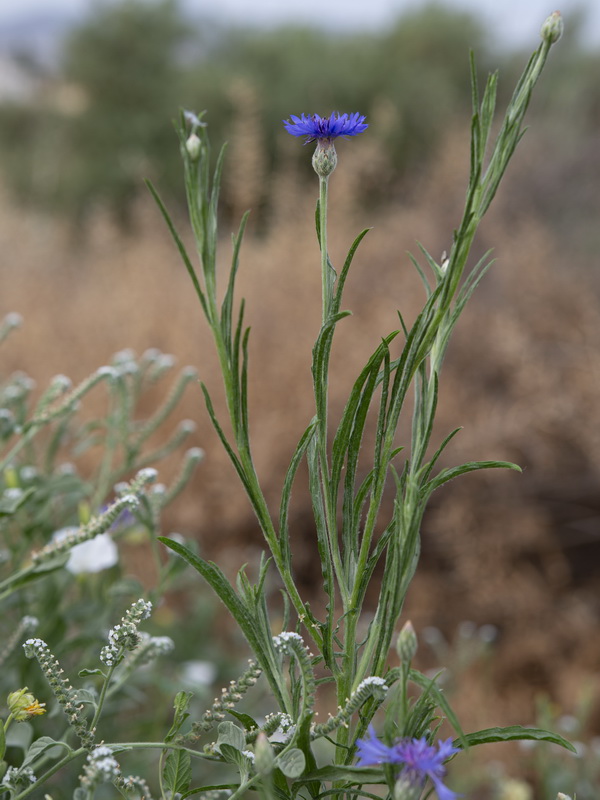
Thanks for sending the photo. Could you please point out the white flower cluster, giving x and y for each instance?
(372, 681)
(285, 727)
(14, 777)
(101, 766)
(282, 641)
(125, 636)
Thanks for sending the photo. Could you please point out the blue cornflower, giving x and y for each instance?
(316, 127)
(418, 759)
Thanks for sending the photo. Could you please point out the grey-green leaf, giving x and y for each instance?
(292, 763)
(11, 504)
(44, 746)
(230, 734)
(177, 774)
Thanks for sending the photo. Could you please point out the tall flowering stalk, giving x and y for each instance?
(354, 533)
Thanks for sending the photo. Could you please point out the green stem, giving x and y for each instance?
(102, 698)
(50, 772)
(326, 277)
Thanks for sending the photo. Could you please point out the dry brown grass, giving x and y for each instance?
(522, 378)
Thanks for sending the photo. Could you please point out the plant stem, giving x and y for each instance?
(326, 277)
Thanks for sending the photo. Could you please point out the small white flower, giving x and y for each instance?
(94, 555)
(198, 673)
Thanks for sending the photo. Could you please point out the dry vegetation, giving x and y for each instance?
(518, 551)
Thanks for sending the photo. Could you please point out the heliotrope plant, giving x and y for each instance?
(288, 754)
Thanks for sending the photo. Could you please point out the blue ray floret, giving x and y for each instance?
(318, 128)
(418, 760)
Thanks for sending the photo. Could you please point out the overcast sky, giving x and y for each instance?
(517, 21)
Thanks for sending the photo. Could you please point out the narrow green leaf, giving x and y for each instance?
(431, 686)
(361, 775)
(180, 246)
(515, 733)
(177, 774)
(427, 468)
(181, 705)
(472, 466)
(227, 305)
(345, 269)
(287, 488)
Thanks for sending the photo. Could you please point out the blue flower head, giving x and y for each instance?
(418, 760)
(324, 130)
(317, 128)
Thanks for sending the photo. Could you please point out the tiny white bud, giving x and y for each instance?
(193, 146)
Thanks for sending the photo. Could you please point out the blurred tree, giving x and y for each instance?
(125, 60)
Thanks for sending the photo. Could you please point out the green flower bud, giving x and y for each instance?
(22, 705)
(405, 789)
(324, 158)
(264, 755)
(193, 146)
(552, 28)
(406, 645)
(11, 478)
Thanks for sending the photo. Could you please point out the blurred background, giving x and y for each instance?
(88, 92)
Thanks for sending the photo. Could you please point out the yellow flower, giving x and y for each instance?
(22, 705)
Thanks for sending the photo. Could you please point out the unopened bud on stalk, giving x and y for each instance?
(406, 645)
(405, 789)
(264, 755)
(553, 27)
(193, 146)
(324, 158)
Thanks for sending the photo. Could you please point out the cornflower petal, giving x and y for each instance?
(319, 128)
(419, 759)
(373, 750)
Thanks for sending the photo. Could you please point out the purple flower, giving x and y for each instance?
(319, 128)
(418, 759)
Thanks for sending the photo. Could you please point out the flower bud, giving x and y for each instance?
(264, 756)
(23, 705)
(406, 789)
(193, 146)
(324, 158)
(552, 28)
(513, 789)
(11, 477)
(406, 645)
(561, 796)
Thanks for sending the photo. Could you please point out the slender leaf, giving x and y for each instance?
(472, 466)
(515, 733)
(181, 705)
(342, 773)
